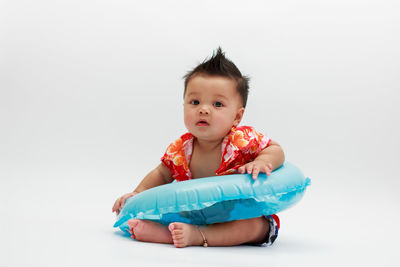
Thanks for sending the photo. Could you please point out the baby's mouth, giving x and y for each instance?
(202, 123)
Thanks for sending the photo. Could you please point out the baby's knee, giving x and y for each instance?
(259, 228)
(259, 223)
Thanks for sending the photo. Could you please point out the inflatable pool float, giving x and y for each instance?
(217, 199)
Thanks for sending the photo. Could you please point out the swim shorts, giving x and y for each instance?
(274, 224)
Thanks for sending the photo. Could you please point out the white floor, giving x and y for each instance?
(91, 94)
(51, 219)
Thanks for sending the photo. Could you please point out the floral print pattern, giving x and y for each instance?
(239, 147)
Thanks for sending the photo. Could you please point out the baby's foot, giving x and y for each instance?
(149, 231)
(185, 235)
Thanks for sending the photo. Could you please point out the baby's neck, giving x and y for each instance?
(204, 145)
(206, 158)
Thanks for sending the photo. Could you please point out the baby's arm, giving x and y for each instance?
(159, 176)
(269, 159)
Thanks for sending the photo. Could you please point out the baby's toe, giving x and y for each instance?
(177, 235)
(178, 241)
(172, 227)
(177, 232)
(175, 226)
(133, 223)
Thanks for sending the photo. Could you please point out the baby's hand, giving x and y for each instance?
(119, 203)
(256, 167)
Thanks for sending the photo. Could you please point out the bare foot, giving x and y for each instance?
(149, 231)
(185, 235)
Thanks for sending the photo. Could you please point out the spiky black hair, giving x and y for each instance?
(219, 65)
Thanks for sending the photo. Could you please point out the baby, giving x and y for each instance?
(215, 98)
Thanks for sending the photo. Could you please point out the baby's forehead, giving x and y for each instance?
(215, 86)
(194, 93)
(204, 80)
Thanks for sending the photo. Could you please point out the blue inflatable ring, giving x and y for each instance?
(217, 199)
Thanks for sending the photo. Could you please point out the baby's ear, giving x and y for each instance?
(239, 116)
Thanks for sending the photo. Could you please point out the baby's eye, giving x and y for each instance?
(218, 104)
(195, 102)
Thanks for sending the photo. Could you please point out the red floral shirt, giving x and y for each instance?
(239, 147)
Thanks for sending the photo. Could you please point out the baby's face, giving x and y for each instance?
(212, 106)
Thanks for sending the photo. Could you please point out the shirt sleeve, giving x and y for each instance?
(172, 159)
(254, 142)
(261, 141)
(243, 146)
(167, 160)
(175, 160)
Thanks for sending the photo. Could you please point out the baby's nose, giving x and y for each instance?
(204, 110)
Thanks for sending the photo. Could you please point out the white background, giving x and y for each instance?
(91, 95)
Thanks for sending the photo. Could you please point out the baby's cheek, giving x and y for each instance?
(189, 119)
(225, 122)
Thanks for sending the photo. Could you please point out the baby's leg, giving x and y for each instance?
(149, 231)
(231, 233)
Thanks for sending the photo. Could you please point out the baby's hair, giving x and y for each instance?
(219, 65)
